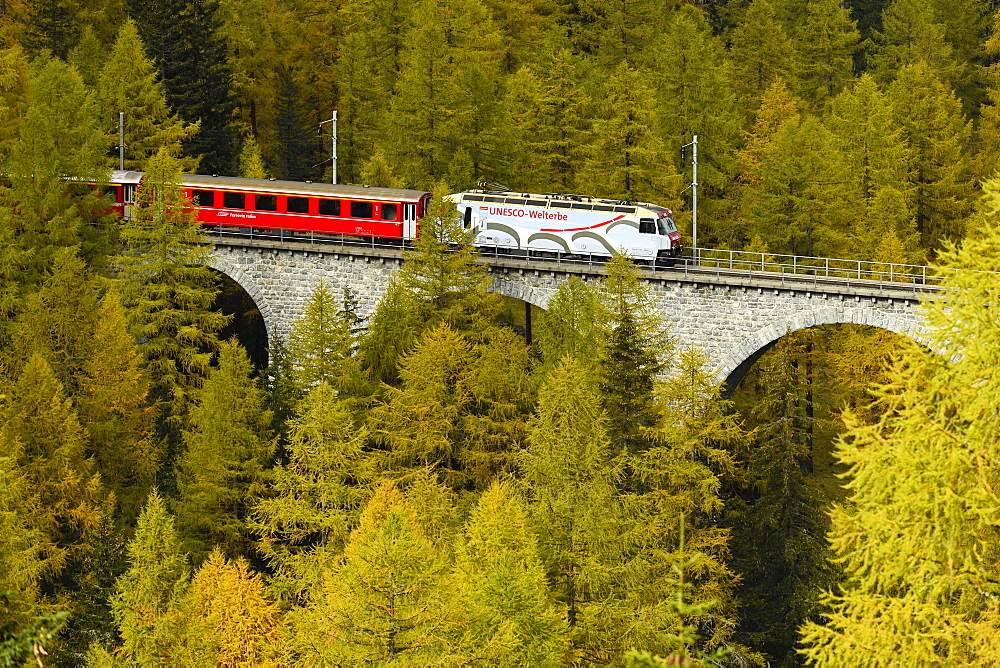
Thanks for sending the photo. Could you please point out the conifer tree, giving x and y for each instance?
(157, 571)
(797, 207)
(223, 472)
(988, 130)
(24, 548)
(129, 83)
(549, 127)
(57, 321)
(392, 330)
(251, 160)
(911, 32)
(322, 342)
(512, 619)
(386, 600)
(226, 617)
(442, 274)
(627, 159)
(692, 71)
(421, 123)
(51, 26)
(318, 495)
(634, 355)
(58, 136)
(88, 56)
(298, 146)
(113, 406)
(574, 324)
(938, 134)
(761, 52)
(779, 525)
(571, 479)
(418, 422)
(826, 44)
(41, 421)
(182, 36)
(168, 291)
(675, 545)
(918, 542)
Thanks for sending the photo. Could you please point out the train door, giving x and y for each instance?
(409, 221)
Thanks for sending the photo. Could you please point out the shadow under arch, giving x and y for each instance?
(738, 362)
(253, 322)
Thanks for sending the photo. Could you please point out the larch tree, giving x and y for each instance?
(168, 291)
(911, 32)
(778, 521)
(322, 342)
(574, 324)
(57, 321)
(918, 540)
(938, 135)
(113, 405)
(761, 52)
(571, 478)
(512, 619)
(694, 74)
(826, 45)
(53, 457)
(988, 129)
(158, 570)
(627, 159)
(129, 83)
(223, 470)
(226, 617)
(387, 599)
(317, 496)
(635, 354)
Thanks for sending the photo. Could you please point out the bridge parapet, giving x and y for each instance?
(733, 311)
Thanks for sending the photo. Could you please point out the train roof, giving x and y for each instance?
(337, 190)
(561, 200)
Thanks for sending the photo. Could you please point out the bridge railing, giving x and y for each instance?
(719, 260)
(826, 267)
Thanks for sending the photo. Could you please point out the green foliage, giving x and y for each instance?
(168, 291)
(223, 472)
(129, 84)
(322, 343)
(157, 571)
(504, 594)
(385, 601)
(761, 52)
(917, 539)
(318, 495)
(573, 324)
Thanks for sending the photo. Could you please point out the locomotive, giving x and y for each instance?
(546, 223)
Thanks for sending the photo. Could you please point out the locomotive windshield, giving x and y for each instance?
(667, 225)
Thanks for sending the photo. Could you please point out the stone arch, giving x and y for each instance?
(526, 293)
(736, 364)
(245, 281)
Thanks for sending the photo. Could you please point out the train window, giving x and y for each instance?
(111, 191)
(473, 198)
(512, 200)
(391, 211)
(535, 202)
(601, 207)
(298, 205)
(361, 209)
(584, 207)
(329, 207)
(561, 205)
(495, 200)
(80, 189)
(647, 226)
(203, 197)
(624, 209)
(234, 200)
(266, 202)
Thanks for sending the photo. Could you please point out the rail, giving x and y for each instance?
(709, 261)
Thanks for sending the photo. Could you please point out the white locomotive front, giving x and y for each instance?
(571, 224)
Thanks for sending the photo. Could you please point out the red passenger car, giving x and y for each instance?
(362, 211)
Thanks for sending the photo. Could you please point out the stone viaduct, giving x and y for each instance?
(734, 316)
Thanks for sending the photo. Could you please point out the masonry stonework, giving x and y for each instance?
(732, 324)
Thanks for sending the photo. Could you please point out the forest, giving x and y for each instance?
(423, 485)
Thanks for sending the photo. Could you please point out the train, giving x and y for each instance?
(505, 221)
